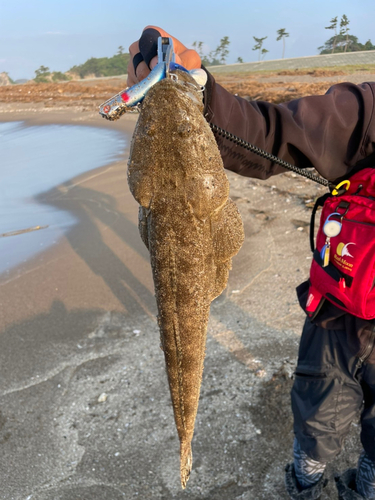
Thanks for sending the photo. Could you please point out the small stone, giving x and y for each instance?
(102, 398)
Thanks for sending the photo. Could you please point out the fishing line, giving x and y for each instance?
(267, 156)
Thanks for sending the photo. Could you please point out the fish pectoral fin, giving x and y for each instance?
(221, 279)
(143, 225)
(186, 462)
(227, 232)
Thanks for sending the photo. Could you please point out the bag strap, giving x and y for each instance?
(319, 203)
(367, 162)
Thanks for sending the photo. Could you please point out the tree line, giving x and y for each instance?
(341, 41)
(102, 66)
(220, 54)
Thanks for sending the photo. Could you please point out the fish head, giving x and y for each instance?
(174, 146)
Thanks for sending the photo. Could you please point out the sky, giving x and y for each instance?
(62, 33)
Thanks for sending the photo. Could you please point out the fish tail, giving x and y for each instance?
(186, 462)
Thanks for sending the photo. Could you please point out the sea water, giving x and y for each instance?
(34, 159)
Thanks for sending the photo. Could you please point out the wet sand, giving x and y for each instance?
(84, 404)
(100, 200)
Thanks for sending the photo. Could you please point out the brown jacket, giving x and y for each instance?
(331, 132)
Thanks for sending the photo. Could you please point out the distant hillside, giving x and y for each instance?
(103, 66)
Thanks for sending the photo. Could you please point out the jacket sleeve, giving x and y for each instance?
(330, 132)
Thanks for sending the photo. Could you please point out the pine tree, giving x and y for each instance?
(222, 51)
(198, 47)
(282, 34)
(41, 74)
(333, 26)
(344, 30)
(258, 45)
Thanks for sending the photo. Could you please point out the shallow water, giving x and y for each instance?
(34, 160)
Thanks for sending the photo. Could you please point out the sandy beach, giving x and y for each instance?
(84, 404)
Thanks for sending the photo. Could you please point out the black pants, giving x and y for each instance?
(330, 392)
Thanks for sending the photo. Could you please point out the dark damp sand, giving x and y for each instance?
(84, 404)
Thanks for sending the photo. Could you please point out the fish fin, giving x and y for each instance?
(186, 463)
(143, 225)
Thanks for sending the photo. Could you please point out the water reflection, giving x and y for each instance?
(33, 160)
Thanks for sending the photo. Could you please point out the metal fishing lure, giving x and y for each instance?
(117, 105)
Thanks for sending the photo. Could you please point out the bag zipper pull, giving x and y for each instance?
(342, 284)
(324, 253)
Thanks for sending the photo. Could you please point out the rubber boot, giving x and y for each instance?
(296, 492)
(345, 484)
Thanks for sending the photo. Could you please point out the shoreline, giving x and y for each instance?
(38, 114)
(101, 191)
(70, 117)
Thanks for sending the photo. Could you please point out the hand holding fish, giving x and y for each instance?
(143, 54)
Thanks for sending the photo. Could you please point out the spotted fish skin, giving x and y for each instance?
(192, 230)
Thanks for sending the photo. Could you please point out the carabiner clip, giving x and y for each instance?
(336, 190)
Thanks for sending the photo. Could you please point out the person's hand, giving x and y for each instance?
(143, 55)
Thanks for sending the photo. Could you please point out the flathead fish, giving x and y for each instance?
(191, 228)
